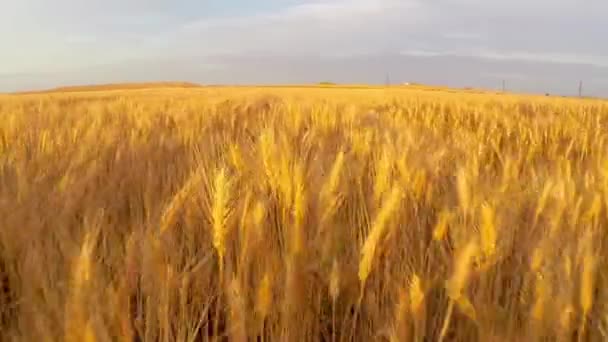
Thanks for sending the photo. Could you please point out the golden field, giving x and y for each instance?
(302, 214)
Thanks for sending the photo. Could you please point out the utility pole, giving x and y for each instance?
(504, 87)
(580, 89)
(387, 81)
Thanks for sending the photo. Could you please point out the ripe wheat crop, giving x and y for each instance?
(302, 214)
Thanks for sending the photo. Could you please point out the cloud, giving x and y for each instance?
(308, 28)
(563, 31)
(464, 35)
(181, 35)
(558, 30)
(513, 55)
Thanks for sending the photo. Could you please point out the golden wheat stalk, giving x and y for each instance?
(586, 290)
(464, 191)
(89, 332)
(329, 195)
(263, 300)
(220, 211)
(378, 231)
(488, 231)
(541, 295)
(299, 209)
(237, 313)
(441, 227)
(77, 321)
(458, 282)
(416, 294)
(383, 175)
(400, 330)
(334, 292)
(171, 212)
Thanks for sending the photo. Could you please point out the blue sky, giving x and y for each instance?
(540, 45)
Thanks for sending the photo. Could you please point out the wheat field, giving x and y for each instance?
(302, 214)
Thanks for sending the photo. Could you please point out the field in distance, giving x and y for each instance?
(188, 213)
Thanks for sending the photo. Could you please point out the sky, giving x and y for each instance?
(533, 45)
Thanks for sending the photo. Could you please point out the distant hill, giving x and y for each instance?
(117, 86)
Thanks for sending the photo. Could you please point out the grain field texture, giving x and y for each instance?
(302, 214)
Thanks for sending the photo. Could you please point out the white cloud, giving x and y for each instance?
(556, 31)
(455, 35)
(42, 35)
(327, 27)
(512, 55)
(551, 57)
(510, 76)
